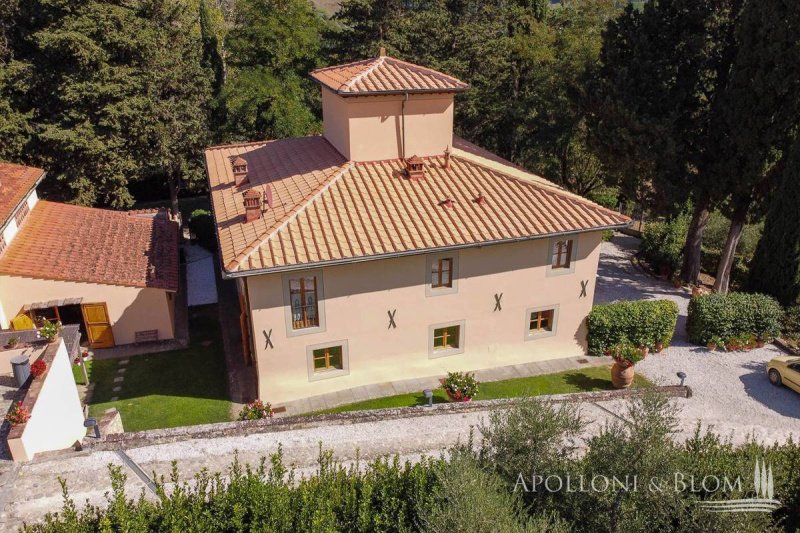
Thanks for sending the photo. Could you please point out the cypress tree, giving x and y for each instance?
(775, 268)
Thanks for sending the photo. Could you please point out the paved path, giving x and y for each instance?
(731, 390)
(200, 277)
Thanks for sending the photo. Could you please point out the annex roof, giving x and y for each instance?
(326, 209)
(83, 244)
(385, 75)
(16, 181)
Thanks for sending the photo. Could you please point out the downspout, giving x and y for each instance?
(403, 125)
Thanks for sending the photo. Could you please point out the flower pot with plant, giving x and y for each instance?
(733, 344)
(625, 356)
(12, 342)
(49, 330)
(715, 342)
(38, 368)
(18, 414)
(460, 386)
(256, 410)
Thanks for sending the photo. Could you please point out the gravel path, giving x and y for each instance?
(731, 390)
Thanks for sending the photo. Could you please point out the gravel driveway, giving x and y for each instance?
(731, 390)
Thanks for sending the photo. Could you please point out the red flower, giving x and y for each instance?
(38, 368)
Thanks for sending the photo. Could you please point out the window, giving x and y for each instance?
(541, 322)
(446, 338)
(562, 253)
(328, 358)
(441, 276)
(442, 273)
(303, 297)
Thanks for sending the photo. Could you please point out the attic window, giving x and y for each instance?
(21, 214)
(415, 168)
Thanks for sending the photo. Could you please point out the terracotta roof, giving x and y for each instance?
(384, 74)
(15, 183)
(328, 209)
(72, 243)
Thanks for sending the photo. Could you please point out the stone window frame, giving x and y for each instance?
(328, 374)
(573, 256)
(446, 352)
(287, 302)
(429, 261)
(531, 335)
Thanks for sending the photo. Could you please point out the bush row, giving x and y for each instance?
(733, 315)
(642, 323)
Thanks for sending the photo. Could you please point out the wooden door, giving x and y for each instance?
(98, 326)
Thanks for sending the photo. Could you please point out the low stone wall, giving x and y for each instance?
(227, 429)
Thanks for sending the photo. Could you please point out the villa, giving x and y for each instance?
(113, 273)
(387, 248)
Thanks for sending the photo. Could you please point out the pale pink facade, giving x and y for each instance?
(356, 300)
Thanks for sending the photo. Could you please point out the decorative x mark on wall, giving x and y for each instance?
(391, 318)
(584, 284)
(269, 340)
(497, 298)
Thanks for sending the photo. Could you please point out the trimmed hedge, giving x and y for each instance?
(642, 323)
(791, 323)
(733, 314)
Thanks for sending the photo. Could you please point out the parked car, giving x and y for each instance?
(785, 370)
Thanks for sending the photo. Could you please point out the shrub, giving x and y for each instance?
(641, 323)
(733, 316)
(12, 342)
(201, 223)
(662, 242)
(256, 410)
(460, 386)
(38, 368)
(18, 414)
(791, 323)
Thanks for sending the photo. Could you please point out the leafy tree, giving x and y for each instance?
(775, 269)
(756, 116)
(663, 68)
(14, 125)
(270, 50)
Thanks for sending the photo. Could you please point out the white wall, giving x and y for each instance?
(11, 229)
(57, 417)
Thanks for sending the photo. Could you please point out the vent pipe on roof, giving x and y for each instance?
(446, 158)
(415, 168)
(239, 171)
(252, 205)
(382, 52)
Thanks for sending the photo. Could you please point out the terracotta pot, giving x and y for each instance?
(621, 376)
(453, 398)
(645, 350)
(711, 346)
(659, 347)
(760, 343)
(677, 283)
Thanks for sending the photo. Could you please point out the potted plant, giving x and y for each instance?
(49, 330)
(38, 368)
(676, 280)
(256, 410)
(12, 342)
(760, 342)
(748, 342)
(625, 355)
(460, 386)
(18, 414)
(733, 344)
(714, 342)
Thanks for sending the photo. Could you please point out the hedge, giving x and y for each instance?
(733, 314)
(202, 225)
(791, 322)
(642, 323)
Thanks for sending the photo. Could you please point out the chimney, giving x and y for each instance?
(239, 171)
(446, 158)
(382, 52)
(252, 205)
(415, 168)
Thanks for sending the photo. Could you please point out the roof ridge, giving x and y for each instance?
(244, 143)
(249, 249)
(537, 181)
(428, 70)
(366, 72)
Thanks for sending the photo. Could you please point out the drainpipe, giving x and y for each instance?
(403, 125)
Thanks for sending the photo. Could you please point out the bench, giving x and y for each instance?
(147, 335)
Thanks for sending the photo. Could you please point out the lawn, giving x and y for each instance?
(583, 380)
(169, 389)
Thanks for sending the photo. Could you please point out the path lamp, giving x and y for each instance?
(92, 423)
(682, 375)
(428, 397)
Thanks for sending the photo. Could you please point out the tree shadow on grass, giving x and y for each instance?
(587, 383)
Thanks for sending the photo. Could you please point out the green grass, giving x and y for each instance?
(169, 389)
(583, 380)
(186, 205)
(77, 372)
